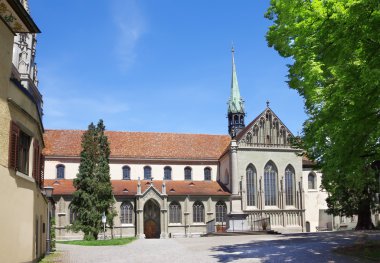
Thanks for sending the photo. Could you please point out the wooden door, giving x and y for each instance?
(150, 229)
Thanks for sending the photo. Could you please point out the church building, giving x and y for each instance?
(177, 185)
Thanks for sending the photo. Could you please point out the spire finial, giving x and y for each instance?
(267, 103)
(232, 47)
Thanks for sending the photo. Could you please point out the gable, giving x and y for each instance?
(266, 130)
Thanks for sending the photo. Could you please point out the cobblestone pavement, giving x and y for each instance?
(306, 247)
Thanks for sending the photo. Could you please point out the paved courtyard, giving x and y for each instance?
(311, 247)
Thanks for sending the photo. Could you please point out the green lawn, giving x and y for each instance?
(369, 250)
(54, 257)
(108, 242)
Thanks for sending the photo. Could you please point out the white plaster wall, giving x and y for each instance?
(137, 170)
(225, 172)
(71, 168)
(315, 199)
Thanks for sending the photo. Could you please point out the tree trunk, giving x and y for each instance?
(364, 216)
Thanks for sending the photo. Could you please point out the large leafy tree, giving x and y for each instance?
(93, 195)
(334, 49)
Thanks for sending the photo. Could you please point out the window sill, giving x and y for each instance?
(127, 225)
(312, 190)
(198, 224)
(25, 176)
(251, 207)
(272, 207)
(175, 224)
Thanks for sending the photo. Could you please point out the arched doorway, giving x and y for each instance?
(307, 226)
(152, 226)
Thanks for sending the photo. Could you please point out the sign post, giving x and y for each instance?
(104, 220)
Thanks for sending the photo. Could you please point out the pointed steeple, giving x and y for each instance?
(235, 103)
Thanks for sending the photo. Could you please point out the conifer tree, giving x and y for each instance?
(93, 194)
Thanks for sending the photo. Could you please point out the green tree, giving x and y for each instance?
(93, 194)
(334, 51)
(52, 233)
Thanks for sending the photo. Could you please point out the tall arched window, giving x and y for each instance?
(174, 212)
(311, 181)
(126, 173)
(270, 183)
(207, 174)
(198, 212)
(126, 213)
(167, 173)
(220, 212)
(147, 172)
(289, 185)
(60, 171)
(251, 178)
(187, 173)
(72, 216)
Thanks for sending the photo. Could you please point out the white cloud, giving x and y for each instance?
(130, 24)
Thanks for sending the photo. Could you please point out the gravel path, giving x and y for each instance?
(311, 247)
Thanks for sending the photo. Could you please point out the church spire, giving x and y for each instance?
(235, 103)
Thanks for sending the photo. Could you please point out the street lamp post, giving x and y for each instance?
(48, 194)
(104, 221)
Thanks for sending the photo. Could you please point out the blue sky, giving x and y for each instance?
(162, 66)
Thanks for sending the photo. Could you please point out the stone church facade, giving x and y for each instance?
(171, 185)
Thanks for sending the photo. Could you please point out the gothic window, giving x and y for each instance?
(174, 212)
(126, 213)
(198, 212)
(311, 181)
(251, 177)
(60, 171)
(187, 173)
(220, 212)
(147, 172)
(289, 185)
(270, 182)
(72, 216)
(207, 173)
(249, 138)
(167, 173)
(126, 173)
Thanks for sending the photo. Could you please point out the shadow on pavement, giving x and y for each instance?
(305, 247)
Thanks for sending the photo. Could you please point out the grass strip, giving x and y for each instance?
(107, 242)
(370, 250)
(53, 257)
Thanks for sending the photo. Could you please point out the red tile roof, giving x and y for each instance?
(306, 162)
(129, 187)
(137, 145)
